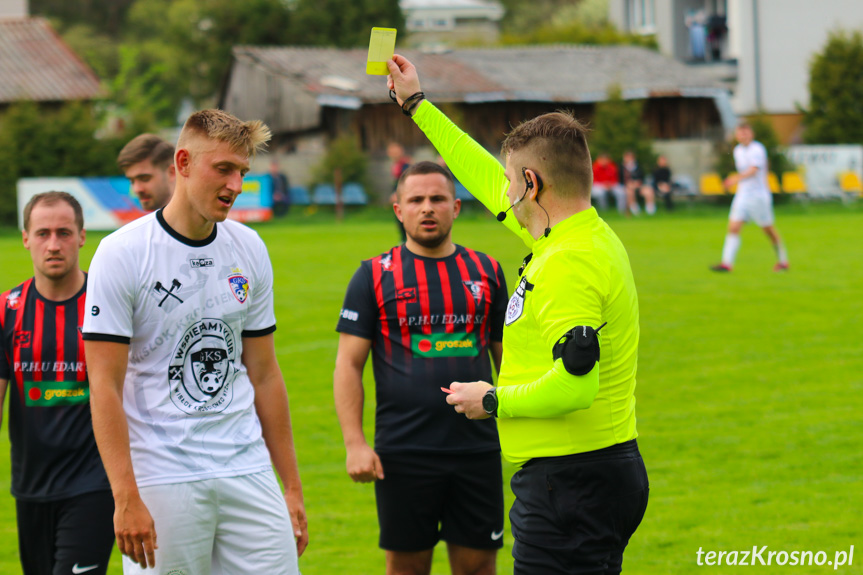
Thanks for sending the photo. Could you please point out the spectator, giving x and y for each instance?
(632, 178)
(607, 179)
(400, 162)
(662, 181)
(281, 190)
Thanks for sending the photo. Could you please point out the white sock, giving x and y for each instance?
(650, 208)
(634, 209)
(781, 252)
(729, 250)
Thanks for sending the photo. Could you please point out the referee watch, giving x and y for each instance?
(489, 402)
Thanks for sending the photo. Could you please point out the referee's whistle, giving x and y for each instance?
(446, 390)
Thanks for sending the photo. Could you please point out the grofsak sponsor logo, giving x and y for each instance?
(444, 345)
(54, 393)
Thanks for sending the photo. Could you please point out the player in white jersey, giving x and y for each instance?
(189, 404)
(752, 202)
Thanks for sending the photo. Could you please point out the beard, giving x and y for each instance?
(429, 241)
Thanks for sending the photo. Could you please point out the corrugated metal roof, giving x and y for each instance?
(35, 64)
(535, 73)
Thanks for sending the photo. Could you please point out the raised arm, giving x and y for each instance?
(133, 524)
(479, 171)
(271, 404)
(363, 464)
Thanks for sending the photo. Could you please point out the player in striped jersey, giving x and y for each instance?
(429, 311)
(63, 498)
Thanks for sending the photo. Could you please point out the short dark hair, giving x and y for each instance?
(51, 198)
(559, 141)
(423, 168)
(146, 147)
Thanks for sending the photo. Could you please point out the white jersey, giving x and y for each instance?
(184, 307)
(744, 158)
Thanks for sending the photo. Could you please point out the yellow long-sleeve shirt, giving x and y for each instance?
(578, 275)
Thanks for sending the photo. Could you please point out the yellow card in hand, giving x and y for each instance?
(381, 48)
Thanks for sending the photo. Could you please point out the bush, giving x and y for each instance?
(37, 141)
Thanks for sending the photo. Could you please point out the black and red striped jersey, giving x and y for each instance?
(430, 321)
(54, 454)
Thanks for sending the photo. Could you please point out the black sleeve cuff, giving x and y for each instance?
(106, 337)
(259, 332)
(350, 330)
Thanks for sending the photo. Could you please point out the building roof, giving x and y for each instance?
(537, 73)
(477, 8)
(35, 64)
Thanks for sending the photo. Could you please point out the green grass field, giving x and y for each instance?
(749, 384)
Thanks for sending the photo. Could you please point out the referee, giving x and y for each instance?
(566, 410)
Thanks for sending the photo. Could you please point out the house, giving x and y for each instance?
(308, 95)
(435, 23)
(762, 48)
(36, 65)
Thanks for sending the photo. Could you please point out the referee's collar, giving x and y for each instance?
(183, 239)
(577, 220)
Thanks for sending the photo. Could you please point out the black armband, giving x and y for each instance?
(579, 349)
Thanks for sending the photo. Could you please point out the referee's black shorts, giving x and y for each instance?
(424, 498)
(73, 535)
(575, 514)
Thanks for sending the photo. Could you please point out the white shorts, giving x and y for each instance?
(230, 525)
(752, 208)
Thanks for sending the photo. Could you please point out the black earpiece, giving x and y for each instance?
(527, 183)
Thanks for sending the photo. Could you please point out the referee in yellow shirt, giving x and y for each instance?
(565, 399)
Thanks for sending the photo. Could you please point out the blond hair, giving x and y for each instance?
(243, 137)
(558, 142)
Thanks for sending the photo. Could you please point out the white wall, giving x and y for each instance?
(14, 9)
(789, 33)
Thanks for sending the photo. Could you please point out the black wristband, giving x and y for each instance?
(411, 102)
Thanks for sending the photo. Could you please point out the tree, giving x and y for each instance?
(189, 42)
(344, 154)
(618, 126)
(342, 23)
(835, 114)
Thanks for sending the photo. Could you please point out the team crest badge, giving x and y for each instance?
(239, 287)
(476, 289)
(14, 300)
(387, 263)
(515, 307)
(202, 369)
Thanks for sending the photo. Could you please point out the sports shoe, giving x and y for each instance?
(721, 268)
(781, 267)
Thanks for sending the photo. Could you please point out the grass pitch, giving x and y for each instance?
(749, 384)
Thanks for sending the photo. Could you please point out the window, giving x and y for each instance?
(640, 15)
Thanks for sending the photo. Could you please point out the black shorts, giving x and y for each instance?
(575, 514)
(424, 498)
(74, 535)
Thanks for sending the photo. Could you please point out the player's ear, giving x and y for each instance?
(25, 238)
(83, 238)
(183, 161)
(398, 211)
(456, 208)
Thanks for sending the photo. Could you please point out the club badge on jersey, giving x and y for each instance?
(203, 367)
(515, 307)
(239, 287)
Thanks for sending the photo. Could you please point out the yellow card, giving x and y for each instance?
(382, 46)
